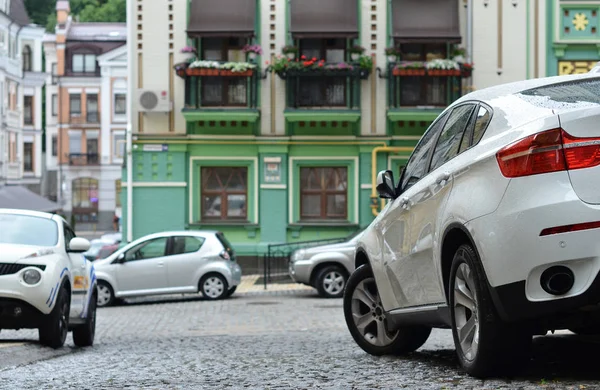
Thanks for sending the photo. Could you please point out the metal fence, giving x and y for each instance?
(277, 258)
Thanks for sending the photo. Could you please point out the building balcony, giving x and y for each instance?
(13, 118)
(89, 118)
(220, 100)
(83, 159)
(417, 95)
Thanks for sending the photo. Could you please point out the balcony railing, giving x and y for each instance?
(93, 117)
(420, 87)
(212, 88)
(331, 87)
(82, 159)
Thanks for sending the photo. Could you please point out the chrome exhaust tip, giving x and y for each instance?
(557, 280)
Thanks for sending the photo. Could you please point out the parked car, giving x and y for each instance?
(95, 246)
(106, 251)
(45, 282)
(491, 230)
(170, 263)
(325, 267)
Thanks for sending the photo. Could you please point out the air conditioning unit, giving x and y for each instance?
(153, 101)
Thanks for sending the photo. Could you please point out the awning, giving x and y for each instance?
(223, 18)
(17, 197)
(425, 21)
(324, 18)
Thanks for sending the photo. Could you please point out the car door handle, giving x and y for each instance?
(443, 178)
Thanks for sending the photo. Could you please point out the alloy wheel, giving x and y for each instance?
(104, 295)
(465, 311)
(213, 287)
(334, 283)
(368, 314)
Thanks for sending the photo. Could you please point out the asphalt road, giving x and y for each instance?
(277, 341)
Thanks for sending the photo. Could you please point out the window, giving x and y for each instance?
(323, 91)
(223, 91)
(448, 144)
(28, 110)
(74, 142)
(417, 165)
(481, 123)
(12, 148)
(119, 146)
(22, 229)
(85, 199)
(54, 145)
(118, 192)
(84, 63)
(91, 145)
(224, 193)
(92, 108)
(54, 104)
(423, 91)
(324, 193)
(223, 49)
(183, 245)
(26, 58)
(69, 235)
(150, 249)
(75, 104)
(28, 156)
(120, 104)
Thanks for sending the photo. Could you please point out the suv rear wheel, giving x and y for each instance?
(484, 344)
(367, 323)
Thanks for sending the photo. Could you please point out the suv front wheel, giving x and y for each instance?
(367, 323)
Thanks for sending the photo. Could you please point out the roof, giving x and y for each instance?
(17, 197)
(18, 12)
(91, 31)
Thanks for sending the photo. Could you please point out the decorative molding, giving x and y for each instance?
(273, 186)
(161, 184)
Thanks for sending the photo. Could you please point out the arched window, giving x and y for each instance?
(26, 58)
(85, 199)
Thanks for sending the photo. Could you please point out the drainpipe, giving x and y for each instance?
(470, 36)
(129, 129)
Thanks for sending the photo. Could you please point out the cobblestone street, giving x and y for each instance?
(275, 340)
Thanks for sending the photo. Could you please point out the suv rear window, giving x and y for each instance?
(573, 92)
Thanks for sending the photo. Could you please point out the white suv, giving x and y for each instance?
(492, 229)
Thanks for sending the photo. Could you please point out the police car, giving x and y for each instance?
(45, 281)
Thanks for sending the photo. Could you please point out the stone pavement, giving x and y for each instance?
(250, 285)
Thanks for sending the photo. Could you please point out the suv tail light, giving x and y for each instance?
(224, 255)
(549, 151)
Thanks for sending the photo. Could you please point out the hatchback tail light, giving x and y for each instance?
(224, 255)
(549, 151)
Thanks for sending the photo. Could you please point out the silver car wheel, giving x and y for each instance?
(368, 314)
(334, 282)
(104, 295)
(213, 287)
(465, 311)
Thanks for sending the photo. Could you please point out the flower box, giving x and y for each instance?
(246, 73)
(408, 72)
(443, 72)
(466, 72)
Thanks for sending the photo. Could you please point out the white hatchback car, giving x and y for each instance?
(492, 229)
(45, 281)
(170, 263)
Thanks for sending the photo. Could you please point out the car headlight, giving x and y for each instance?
(32, 276)
(299, 255)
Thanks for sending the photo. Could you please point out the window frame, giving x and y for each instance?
(32, 160)
(116, 97)
(26, 108)
(223, 194)
(85, 211)
(54, 145)
(171, 244)
(84, 69)
(141, 245)
(323, 193)
(90, 97)
(115, 145)
(54, 104)
(27, 58)
(74, 97)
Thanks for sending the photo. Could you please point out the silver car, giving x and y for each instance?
(325, 267)
(170, 263)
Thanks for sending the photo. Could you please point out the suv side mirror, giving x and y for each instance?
(79, 245)
(385, 185)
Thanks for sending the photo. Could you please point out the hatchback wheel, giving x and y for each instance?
(330, 282)
(367, 323)
(106, 295)
(484, 344)
(213, 287)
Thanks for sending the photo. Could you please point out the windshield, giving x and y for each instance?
(27, 230)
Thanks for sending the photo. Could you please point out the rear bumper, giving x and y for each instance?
(18, 314)
(512, 304)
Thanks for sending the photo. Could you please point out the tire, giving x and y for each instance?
(373, 336)
(331, 281)
(230, 291)
(106, 294)
(54, 332)
(500, 348)
(213, 287)
(83, 335)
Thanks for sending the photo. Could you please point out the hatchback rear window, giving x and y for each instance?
(225, 242)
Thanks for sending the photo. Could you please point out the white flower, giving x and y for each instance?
(446, 64)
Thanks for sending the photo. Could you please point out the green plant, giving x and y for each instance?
(411, 65)
(458, 51)
(365, 62)
(289, 49)
(356, 49)
(392, 51)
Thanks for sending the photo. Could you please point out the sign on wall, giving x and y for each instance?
(272, 169)
(575, 67)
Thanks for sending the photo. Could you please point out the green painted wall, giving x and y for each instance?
(157, 209)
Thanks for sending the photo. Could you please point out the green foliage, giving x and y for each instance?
(43, 12)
